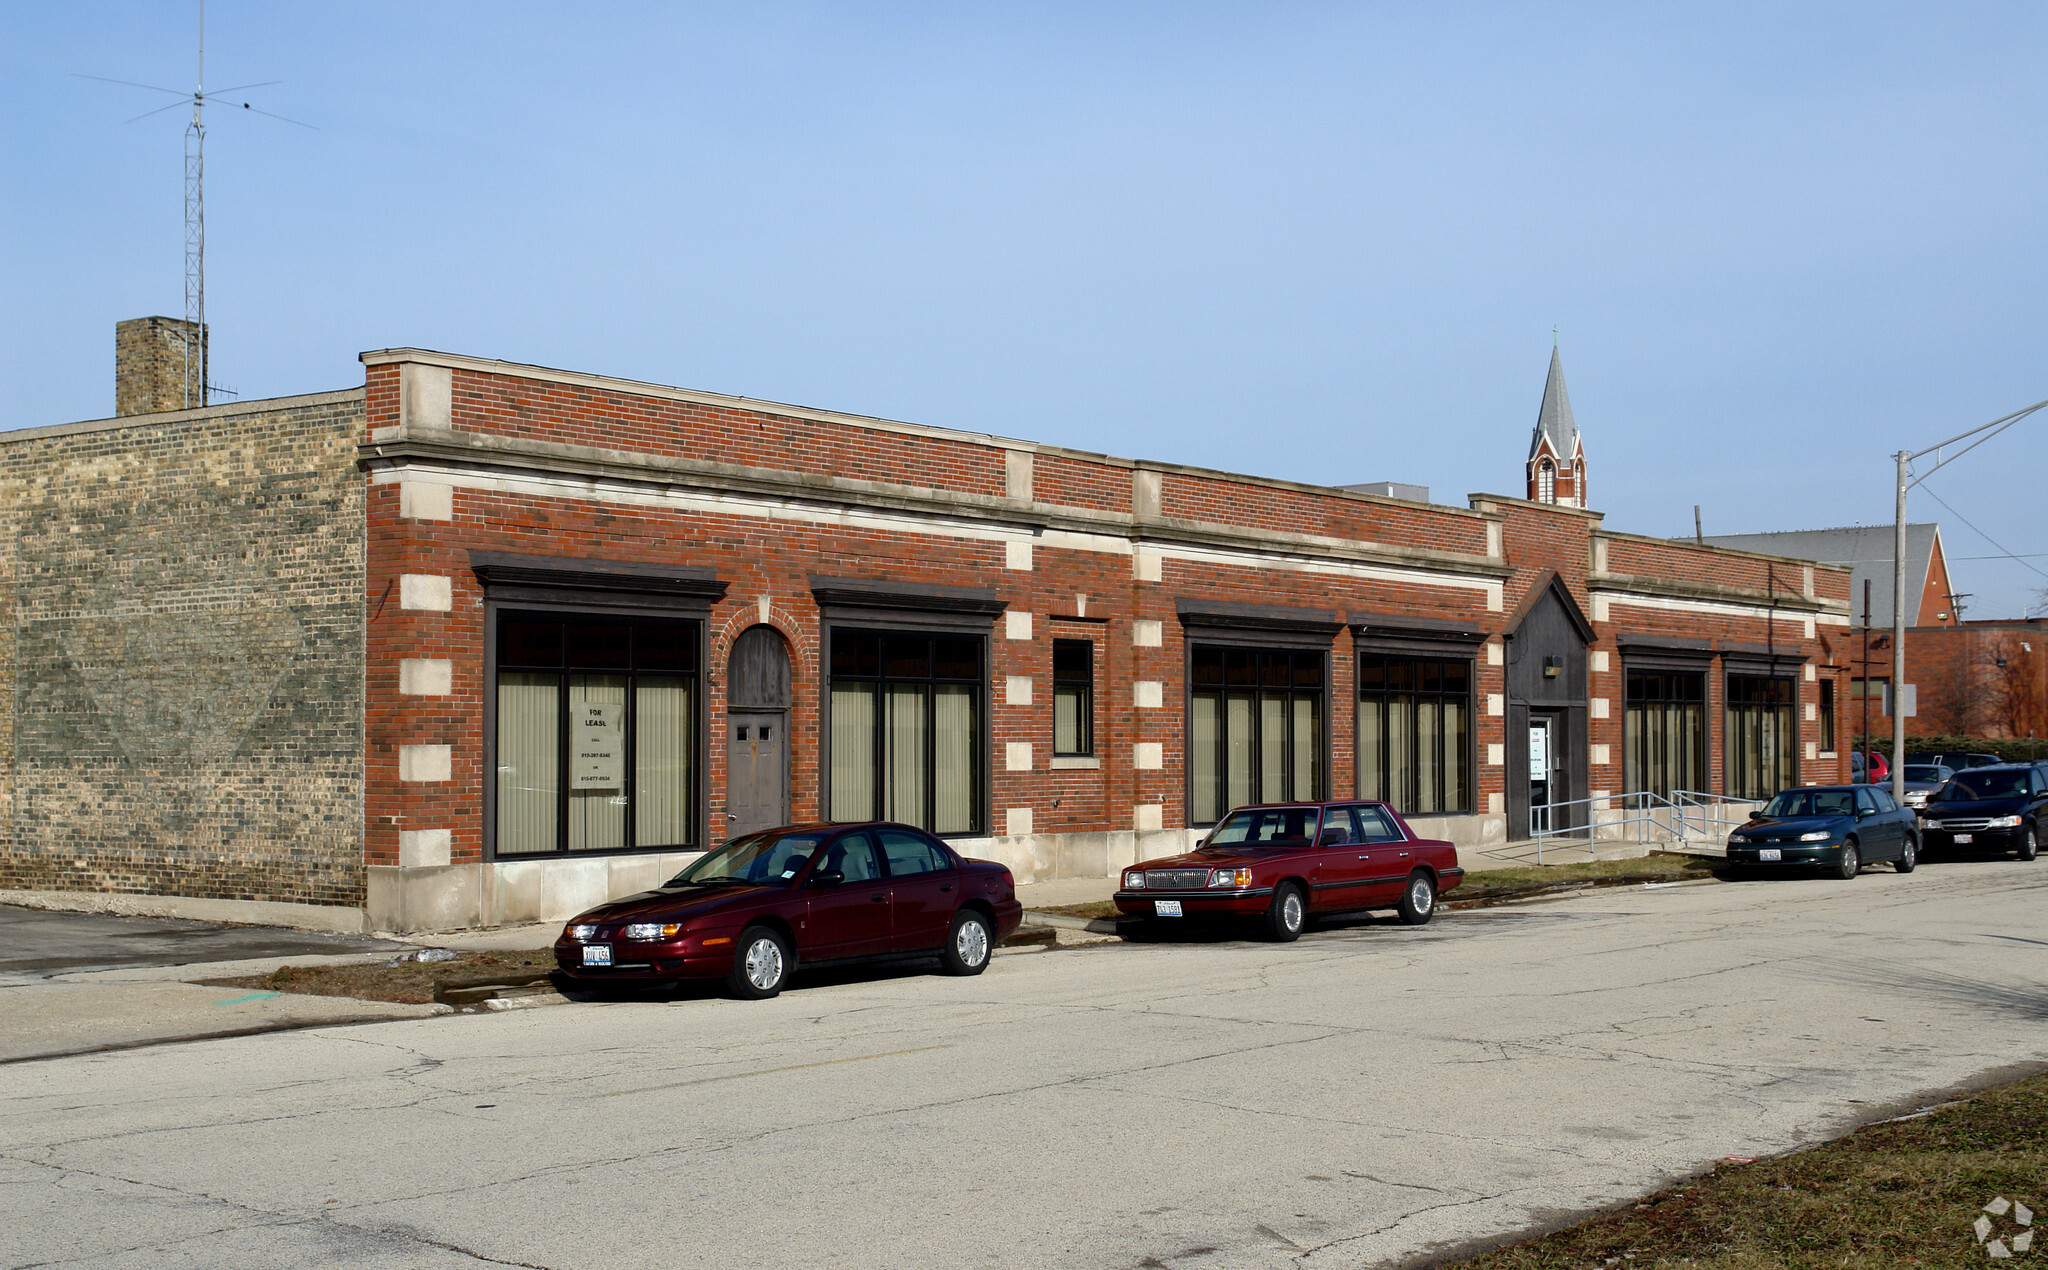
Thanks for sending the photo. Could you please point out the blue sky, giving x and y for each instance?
(1322, 242)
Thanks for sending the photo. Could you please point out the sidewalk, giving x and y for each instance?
(81, 1013)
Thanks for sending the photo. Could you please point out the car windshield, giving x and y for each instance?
(1291, 826)
(1811, 802)
(1932, 773)
(1983, 784)
(771, 858)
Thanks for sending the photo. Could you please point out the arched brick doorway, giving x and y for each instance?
(757, 732)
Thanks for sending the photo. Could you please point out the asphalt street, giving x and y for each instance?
(35, 943)
(1370, 1095)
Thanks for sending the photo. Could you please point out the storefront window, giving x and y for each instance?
(596, 734)
(906, 730)
(1414, 733)
(1761, 741)
(1255, 729)
(1665, 734)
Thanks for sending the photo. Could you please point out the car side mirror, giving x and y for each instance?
(827, 878)
(1861, 812)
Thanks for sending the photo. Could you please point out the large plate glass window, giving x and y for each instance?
(1414, 733)
(1762, 739)
(596, 733)
(1255, 731)
(1073, 697)
(1665, 733)
(906, 729)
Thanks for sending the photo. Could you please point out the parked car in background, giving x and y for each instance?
(1839, 828)
(1955, 761)
(1868, 766)
(1924, 779)
(754, 909)
(2004, 808)
(1279, 864)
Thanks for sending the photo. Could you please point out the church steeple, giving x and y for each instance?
(1557, 458)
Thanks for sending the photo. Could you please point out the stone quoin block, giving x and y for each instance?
(425, 677)
(426, 500)
(426, 592)
(426, 762)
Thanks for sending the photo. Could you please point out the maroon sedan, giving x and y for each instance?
(752, 909)
(1282, 862)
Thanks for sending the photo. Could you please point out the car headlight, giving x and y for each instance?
(1735, 838)
(2002, 822)
(1230, 879)
(1134, 880)
(653, 930)
(1818, 835)
(581, 933)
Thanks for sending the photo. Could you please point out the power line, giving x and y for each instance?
(2003, 553)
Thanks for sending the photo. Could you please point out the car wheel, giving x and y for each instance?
(1285, 915)
(1138, 930)
(1909, 855)
(968, 946)
(1850, 861)
(2030, 844)
(1418, 901)
(761, 963)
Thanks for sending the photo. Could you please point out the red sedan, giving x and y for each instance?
(751, 910)
(1281, 863)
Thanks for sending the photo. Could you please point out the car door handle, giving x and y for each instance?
(1404, 855)
(947, 887)
(878, 898)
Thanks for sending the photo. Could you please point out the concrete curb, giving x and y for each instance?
(1060, 921)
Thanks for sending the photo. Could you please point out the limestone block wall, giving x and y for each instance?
(181, 653)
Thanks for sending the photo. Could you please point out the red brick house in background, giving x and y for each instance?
(1981, 678)
(480, 643)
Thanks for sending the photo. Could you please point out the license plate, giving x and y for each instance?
(597, 954)
(1770, 853)
(1166, 908)
(1966, 837)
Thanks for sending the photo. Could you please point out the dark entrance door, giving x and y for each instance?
(1547, 712)
(757, 732)
(1547, 783)
(756, 775)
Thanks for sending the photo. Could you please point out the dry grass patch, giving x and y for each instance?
(1900, 1194)
(411, 982)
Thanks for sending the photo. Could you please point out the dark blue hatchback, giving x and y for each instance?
(1839, 828)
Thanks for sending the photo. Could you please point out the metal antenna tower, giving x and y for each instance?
(197, 386)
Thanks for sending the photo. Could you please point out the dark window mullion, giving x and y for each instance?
(562, 763)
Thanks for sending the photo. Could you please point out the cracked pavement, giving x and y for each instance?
(1370, 1095)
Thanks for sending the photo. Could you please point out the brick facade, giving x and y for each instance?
(181, 644)
(286, 606)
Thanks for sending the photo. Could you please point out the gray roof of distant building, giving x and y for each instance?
(1866, 549)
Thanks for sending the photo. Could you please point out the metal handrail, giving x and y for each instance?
(1674, 816)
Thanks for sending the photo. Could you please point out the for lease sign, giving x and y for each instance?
(597, 737)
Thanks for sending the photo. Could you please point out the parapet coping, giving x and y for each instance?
(1683, 545)
(256, 405)
(634, 387)
(399, 444)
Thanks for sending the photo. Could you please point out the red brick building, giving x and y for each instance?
(609, 623)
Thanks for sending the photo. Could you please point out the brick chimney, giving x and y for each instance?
(149, 366)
